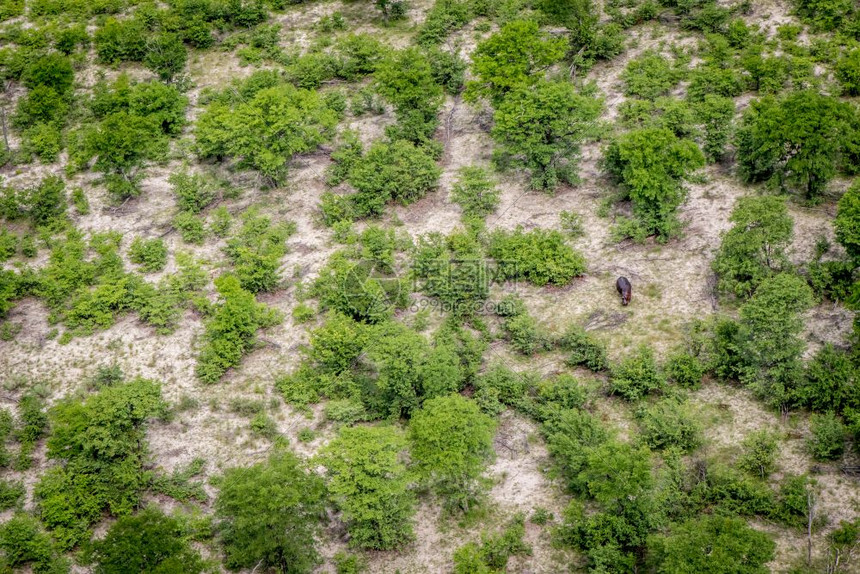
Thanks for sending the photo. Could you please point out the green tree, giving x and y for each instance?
(759, 453)
(269, 515)
(650, 165)
(121, 144)
(772, 323)
(794, 142)
(637, 375)
(230, 332)
(716, 113)
(539, 256)
(514, 57)
(827, 438)
(165, 55)
(712, 545)
(847, 221)
(475, 192)
(370, 485)
(848, 72)
(23, 542)
(754, 248)
(397, 171)
(102, 444)
(831, 382)
(451, 441)
(148, 541)
(267, 130)
(542, 128)
(52, 71)
(406, 80)
(650, 76)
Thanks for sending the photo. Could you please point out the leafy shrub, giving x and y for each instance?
(231, 329)
(349, 563)
(279, 491)
(824, 14)
(827, 441)
(149, 541)
(370, 485)
(720, 487)
(45, 141)
(512, 58)
(649, 76)
(542, 128)
(52, 70)
(178, 484)
(24, 542)
(754, 248)
(358, 289)
(773, 347)
(759, 453)
(831, 382)
(266, 130)
(120, 41)
(451, 440)
(541, 257)
(636, 376)
(165, 55)
(494, 551)
(150, 254)
(794, 142)
(684, 370)
(650, 165)
(475, 192)
(194, 192)
(256, 251)
(847, 222)
(521, 328)
(398, 171)
(848, 72)
(570, 436)
(454, 270)
(102, 442)
(584, 349)
(11, 494)
(190, 227)
(792, 506)
(406, 80)
(670, 424)
(33, 423)
(732, 546)
(716, 113)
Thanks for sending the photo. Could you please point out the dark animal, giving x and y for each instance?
(625, 288)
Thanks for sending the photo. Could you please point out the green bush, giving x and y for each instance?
(45, 141)
(405, 79)
(512, 58)
(792, 506)
(754, 248)
(52, 71)
(120, 41)
(650, 75)
(398, 171)
(267, 130)
(538, 256)
(102, 444)
(570, 435)
(541, 127)
(370, 485)
(475, 192)
(150, 254)
(847, 222)
(521, 329)
(720, 487)
(796, 141)
(713, 544)
(194, 192)
(165, 55)
(759, 453)
(716, 113)
(358, 289)
(451, 440)
(11, 494)
(230, 332)
(636, 376)
(684, 370)
(190, 227)
(23, 542)
(831, 382)
(650, 166)
(584, 349)
(827, 439)
(452, 269)
(256, 251)
(149, 541)
(495, 550)
(824, 14)
(848, 72)
(278, 492)
(670, 424)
